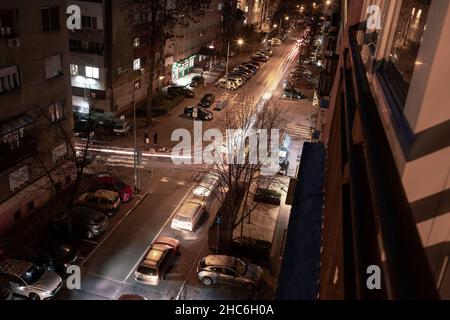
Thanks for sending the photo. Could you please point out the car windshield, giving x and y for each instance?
(119, 185)
(33, 274)
(240, 267)
(147, 270)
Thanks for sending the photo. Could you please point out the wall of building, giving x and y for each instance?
(34, 97)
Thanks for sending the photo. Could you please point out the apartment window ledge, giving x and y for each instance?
(15, 90)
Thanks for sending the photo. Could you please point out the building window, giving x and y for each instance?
(18, 178)
(50, 18)
(408, 36)
(57, 111)
(13, 139)
(53, 66)
(9, 79)
(246, 8)
(137, 84)
(74, 69)
(219, 6)
(89, 22)
(136, 42)
(92, 72)
(6, 23)
(137, 64)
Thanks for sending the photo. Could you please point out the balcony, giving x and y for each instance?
(9, 158)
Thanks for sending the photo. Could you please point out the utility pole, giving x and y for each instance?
(136, 187)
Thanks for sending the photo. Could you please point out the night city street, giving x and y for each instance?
(224, 150)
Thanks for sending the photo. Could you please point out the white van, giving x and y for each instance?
(207, 185)
(189, 215)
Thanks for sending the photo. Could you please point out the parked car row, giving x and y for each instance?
(37, 271)
(245, 71)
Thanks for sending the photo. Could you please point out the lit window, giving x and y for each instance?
(246, 8)
(92, 72)
(137, 64)
(136, 42)
(73, 69)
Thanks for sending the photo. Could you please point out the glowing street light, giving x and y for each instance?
(286, 18)
(275, 25)
(240, 41)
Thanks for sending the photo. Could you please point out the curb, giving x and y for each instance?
(114, 228)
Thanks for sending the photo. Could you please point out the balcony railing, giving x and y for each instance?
(10, 157)
(382, 221)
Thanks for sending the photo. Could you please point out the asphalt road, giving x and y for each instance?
(109, 271)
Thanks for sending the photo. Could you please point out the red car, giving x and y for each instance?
(108, 182)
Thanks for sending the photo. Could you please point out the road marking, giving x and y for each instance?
(190, 270)
(160, 230)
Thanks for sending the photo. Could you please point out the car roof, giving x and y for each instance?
(190, 207)
(219, 261)
(15, 267)
(105, 193)
(154, 256)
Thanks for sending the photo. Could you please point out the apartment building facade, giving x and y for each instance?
(107, 69)
(34, 99)
(194, 44)
(387, 194)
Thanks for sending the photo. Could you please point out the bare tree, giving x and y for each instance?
(154, 21)
(240, 171)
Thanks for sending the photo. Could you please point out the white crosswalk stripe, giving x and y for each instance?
(298, 131)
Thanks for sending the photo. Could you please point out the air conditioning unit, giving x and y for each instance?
(13, 43)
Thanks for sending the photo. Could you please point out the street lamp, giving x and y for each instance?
(240, 42)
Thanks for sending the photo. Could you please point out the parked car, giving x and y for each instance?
(257, 64)
(52, 256)
(251, 66)
(181, 90)
(207, 100)
(268, 51)
(83, 128)
(267, 196)
(245, 69)
(121, 128)
(262, 54)
(104, 200)
(226, 84)
(274, 42)
(221, 104)
(238, 79)
(207, 185)
(107, 181)
(197, 81)
(240, 70)
(86, 224)
(157, 260)
(230, 271)
(189, 215)
(292, 93)
(5, 292)
(248, 67)
(259, 59)
(198, 113)
(29, 280)
(130, 296)
(238, 74)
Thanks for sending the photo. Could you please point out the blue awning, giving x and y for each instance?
(300, 269)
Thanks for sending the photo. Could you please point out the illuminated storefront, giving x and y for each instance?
(183, 67)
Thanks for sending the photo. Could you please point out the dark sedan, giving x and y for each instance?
(197, 81)
(207, 100)
(180, 90)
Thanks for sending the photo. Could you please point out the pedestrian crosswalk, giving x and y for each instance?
(296, 131)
